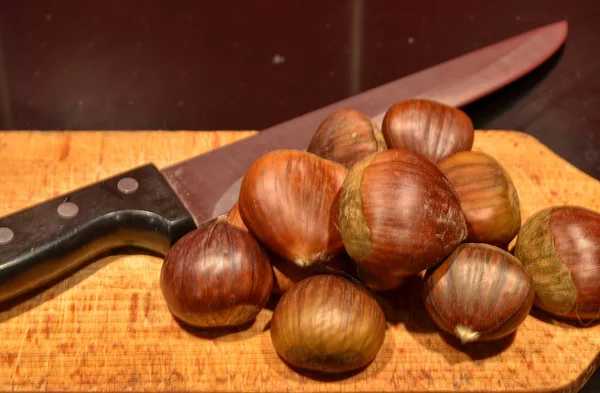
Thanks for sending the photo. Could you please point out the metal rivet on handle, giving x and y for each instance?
(68, 210)
(128, 185)
(6, 235)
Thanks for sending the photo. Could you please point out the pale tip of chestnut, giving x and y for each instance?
(465, 334)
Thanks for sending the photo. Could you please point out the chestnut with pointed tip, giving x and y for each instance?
(328, 324)
(487, 196)
(560, 247)
(289, 200)
(286, 274)
(398, 216)
(427, 127)
(216, 276)
(233, 216)
(346, 136)
(479, 293)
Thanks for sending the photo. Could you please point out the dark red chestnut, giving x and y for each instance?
(216, 276)
(430, 128)
(560, 248)
(346, 136)
(398, 216)
(479, 293)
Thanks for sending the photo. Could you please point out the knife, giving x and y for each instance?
(151, 209)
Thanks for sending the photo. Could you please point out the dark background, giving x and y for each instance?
(227, 65)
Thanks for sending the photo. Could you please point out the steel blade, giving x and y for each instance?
(208, 184)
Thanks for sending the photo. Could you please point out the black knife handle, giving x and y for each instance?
(44, 242)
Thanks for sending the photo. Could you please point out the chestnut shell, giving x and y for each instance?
(216, 276)
(346, 136)
(560, 247)
(327, 323)
(427, 127)
(289, 200)
(234, 217)
(398, 216)
(487, 196)
(479, 293)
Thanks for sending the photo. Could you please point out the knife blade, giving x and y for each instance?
(151, 209)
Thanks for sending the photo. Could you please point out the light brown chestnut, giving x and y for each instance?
(216, 276)
(479, 293)
(398, 216)
(560, 247)
(289, 200)
(328, 324)
(487, 195)
(430, 128)
(233, 216)
(346, 136)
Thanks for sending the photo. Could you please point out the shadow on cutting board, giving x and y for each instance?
(29, 301)
(257, 326)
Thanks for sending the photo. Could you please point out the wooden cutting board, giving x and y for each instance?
(106, 328)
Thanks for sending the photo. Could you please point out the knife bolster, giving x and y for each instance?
(57, 236)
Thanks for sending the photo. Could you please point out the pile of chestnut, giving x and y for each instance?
(361, 211)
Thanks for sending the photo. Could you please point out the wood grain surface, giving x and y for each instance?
(106, 328)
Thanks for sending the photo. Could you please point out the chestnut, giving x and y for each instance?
(286, 274)
(233, 216)
(487, 196)
(479, 293)
(346, 136)
(398, 216)
(289, 200)
(328, 324)
(560, 247)
(427, 127)
(216, 276)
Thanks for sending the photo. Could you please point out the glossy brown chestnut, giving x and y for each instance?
(289, 200)
(487, 195)
(479, 293)
(560, 247)
(327, 323)
(216, 276)
(398, 216)
(346, 136)
(430, 128)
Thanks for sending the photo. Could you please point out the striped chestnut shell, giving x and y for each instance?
(427, 127)
(560, 247)
(328, 324)
(346, 136)
(399, 215)
(479, 293)
(289, 201)
(487, 196)
(216, 276)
